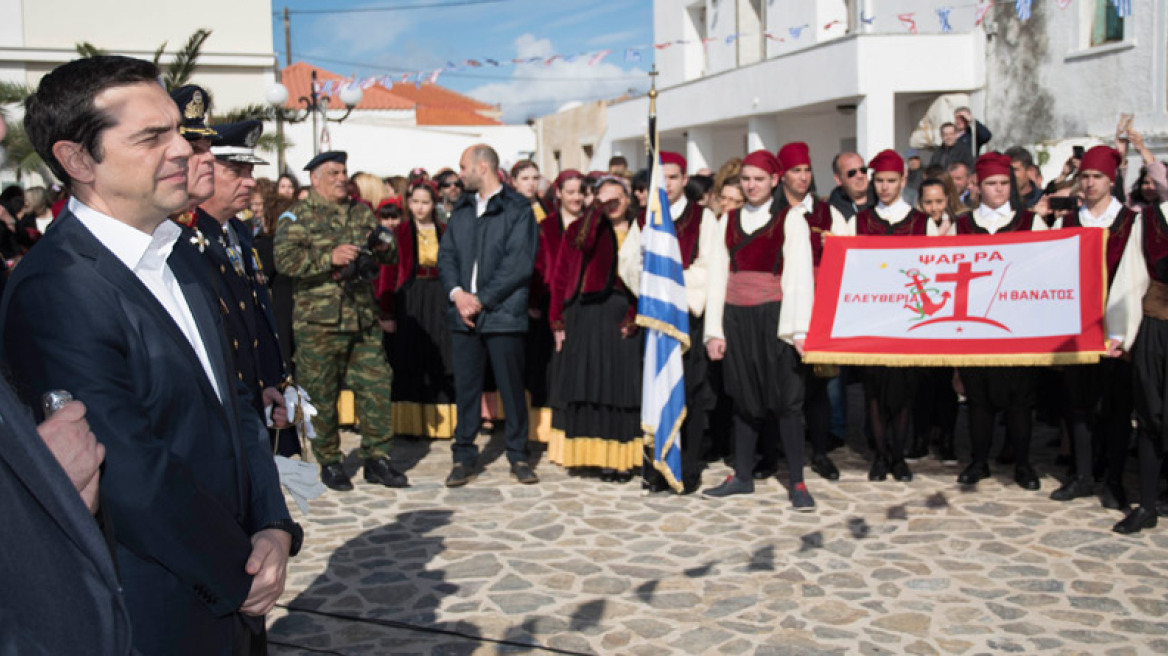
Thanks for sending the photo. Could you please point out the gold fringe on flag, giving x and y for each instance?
(954, 360)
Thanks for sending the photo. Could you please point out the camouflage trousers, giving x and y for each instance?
(327, 358)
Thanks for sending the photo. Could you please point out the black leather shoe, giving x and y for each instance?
(334, 478)
(460, 475)
(879, 470)
(976, 471)
(522, 472)
(691, 485)
(379, 470)
(1136, 521)
(1113, 496)
(764, 470)
(801, 500)
(1075, 488)
(655, 486)
(1026, 477)
(730, 486)
(901, 472)
(821, 464)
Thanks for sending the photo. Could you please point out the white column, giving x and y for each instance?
(762, 133)
(875, 123)
(699, 148)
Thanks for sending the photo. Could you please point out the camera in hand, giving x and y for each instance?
(365, 267)
(1064, 203)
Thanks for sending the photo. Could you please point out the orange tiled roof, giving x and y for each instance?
(433, 104)
(452, 116)
(298, 79)
(434, 95)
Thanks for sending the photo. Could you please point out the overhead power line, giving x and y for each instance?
(507, 78)
(401, 7)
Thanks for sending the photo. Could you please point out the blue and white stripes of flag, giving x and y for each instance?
(663, 311)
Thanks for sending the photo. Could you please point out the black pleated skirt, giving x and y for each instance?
(420, 351)
(599, 386)
(761, 371)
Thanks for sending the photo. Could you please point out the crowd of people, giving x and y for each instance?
(748, 275)
(205, 320)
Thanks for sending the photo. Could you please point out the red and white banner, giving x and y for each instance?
(1028, 298)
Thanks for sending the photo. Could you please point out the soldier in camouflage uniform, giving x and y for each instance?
(336, 321)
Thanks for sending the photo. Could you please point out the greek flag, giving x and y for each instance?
(1123, 8)
(663, 310)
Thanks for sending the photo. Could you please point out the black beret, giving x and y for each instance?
(339, 156)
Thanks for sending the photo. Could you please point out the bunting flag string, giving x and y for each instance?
(907, 22)
(943, 16)
(982, 10)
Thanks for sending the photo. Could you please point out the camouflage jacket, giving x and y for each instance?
(305, 238)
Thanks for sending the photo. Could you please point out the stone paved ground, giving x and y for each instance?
(581, 566)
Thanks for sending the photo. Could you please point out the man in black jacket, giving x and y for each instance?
(60, 592)
(112, 306)
(485, 260)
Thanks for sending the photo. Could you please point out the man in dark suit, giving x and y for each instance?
(113, 307)
(60, 592)
(226, 244)
(485, 262)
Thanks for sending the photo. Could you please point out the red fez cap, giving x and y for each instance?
(396, 202)
(764, 160)
(794, 154)
(992, 164)
(1104, 159)
(565, 175)
(668, 157)
(887, 161)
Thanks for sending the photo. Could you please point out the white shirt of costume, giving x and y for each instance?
(993, 220)
(1089, 220)
(798, 282)
(145, 255)
(630, 259)
(894, 213)
(942, 229)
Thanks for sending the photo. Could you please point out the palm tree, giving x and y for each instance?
(23, 159)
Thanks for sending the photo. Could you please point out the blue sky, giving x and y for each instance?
(372, 43)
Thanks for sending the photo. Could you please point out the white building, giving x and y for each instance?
(393, 130)
(849, 75)
(237, 63)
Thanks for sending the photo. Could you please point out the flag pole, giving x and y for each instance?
(651, 141)
(651, 151)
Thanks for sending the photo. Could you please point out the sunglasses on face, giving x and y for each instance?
(863, 170)
(446, 185)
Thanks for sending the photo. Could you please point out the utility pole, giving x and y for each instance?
(287, 38)
(280, 162)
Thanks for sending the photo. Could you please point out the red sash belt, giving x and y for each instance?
(747, 288)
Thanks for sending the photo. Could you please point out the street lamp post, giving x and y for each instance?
(316, 105)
